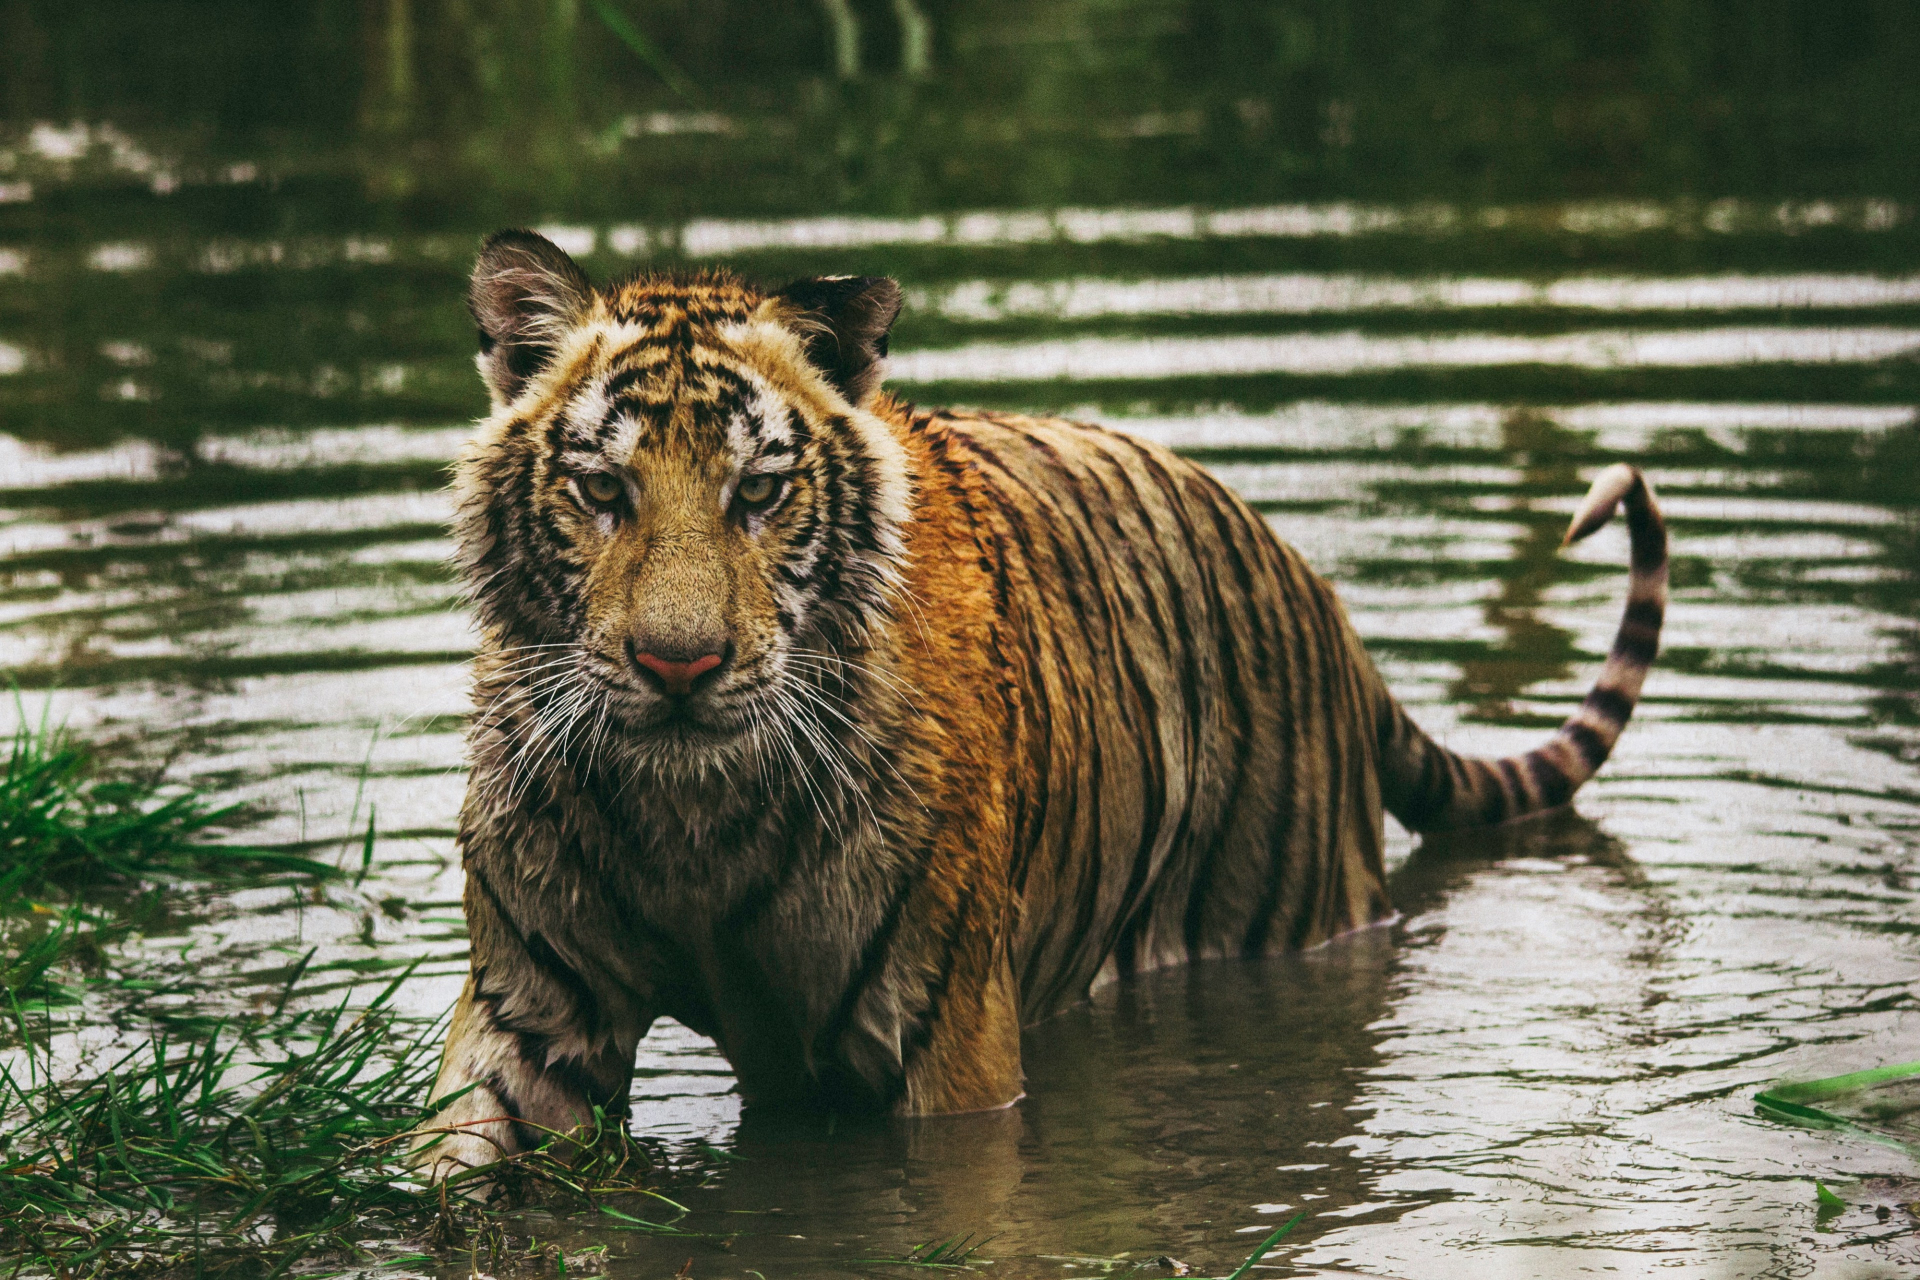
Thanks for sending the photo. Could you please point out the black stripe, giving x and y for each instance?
(1325, 857)
(1592, 748)
(1047, 643)
(1645, 612)
(629, 380)
(1436, 788)
(1493, 801)
(477, 877)
(509, 1105)
(1636, 645)
(949, 953)
(1609, 704)
(1555, 788)
(1200, 886)
(541, 955)
(575, 1075)
(873, 956)
(1083, 887)
(1145, 736)
(1296, 821)
(1029, 811)
(586, 1005)
(1166, 617)
(1516, 790)
(1647, 539)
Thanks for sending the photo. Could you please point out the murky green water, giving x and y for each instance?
(1407, 277)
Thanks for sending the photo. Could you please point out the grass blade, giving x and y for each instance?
(1264, 1246)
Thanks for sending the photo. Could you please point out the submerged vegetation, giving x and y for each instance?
(1260, 1251)
(1881, 1104)
(956, 1253)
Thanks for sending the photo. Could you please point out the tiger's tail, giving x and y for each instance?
(1429, 788)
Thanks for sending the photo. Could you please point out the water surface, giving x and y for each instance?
(1406, 313)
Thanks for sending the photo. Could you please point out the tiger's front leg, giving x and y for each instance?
(538, 1041)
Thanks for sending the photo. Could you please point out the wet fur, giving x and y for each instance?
(1054, 708)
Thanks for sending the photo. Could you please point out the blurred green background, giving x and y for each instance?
(243, 160)
(510, 110)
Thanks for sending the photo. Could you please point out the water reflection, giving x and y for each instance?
(1191, 1112)
(1535, 650)
(1187, 1114)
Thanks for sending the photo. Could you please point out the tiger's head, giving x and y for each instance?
(681, 506)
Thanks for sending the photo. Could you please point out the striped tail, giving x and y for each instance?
(1429, 788)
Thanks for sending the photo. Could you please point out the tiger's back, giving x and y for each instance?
(1196, 773)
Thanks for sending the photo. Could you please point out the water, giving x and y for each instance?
(1406, 303)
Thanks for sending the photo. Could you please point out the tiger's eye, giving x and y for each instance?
(601, 488)
(755, 491)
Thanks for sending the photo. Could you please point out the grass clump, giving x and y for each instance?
(86, 855)
(246, 1145)
(257, 1143)
(956, 1253)
(67, 827)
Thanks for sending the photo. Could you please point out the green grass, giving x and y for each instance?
(1260, 1250)
(253, 1145)
(243, 1145)
(955, 1252)
(176, 1154)
(67, 826)
(87, 854)
(36, 949)
(1879, 1104)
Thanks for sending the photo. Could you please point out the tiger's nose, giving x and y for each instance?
(676, 671)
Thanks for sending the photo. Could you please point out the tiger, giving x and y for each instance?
(859, 737)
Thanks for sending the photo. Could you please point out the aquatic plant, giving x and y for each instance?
(67, 825)
(1260, 1251)
(84, 852)
(955, 1252)
(229, 1145)
(30, 955)
(1879, 1104)
(254, 1143)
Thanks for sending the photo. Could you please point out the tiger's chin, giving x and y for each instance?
(679, 741)
(681, 729)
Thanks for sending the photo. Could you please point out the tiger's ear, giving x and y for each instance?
(524, 295)
(844, 322)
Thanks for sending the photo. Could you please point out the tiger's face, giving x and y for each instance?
(679, 516)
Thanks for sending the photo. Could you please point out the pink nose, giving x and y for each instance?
(678, 677)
